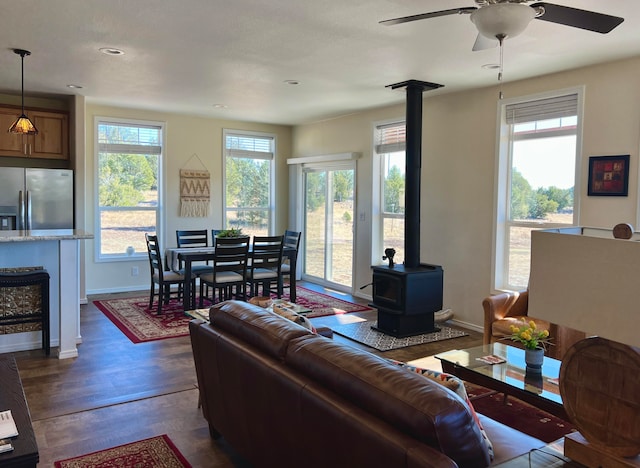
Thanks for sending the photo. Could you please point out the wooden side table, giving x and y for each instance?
(25, 449)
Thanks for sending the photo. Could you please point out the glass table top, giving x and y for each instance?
(512, 371)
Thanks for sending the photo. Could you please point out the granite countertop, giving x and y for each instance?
(44, 235)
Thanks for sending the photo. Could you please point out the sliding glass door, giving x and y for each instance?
(329, 225)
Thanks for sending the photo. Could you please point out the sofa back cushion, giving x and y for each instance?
(256, 326)
(416, 406)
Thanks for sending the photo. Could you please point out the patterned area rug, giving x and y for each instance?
(517, 414)
(140, 324)
(362, 332)
(156, 452)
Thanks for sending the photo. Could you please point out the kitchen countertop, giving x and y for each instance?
(44, 235)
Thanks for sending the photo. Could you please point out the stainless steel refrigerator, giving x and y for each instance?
(36, 198)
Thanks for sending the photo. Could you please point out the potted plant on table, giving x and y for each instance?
(534, 341)
(232, 232)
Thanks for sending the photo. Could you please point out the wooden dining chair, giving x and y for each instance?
(291, 240)
(266, 265)
(194, 238)
(163, 278)
(229, 269)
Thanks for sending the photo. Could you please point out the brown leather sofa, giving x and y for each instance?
(283, 396)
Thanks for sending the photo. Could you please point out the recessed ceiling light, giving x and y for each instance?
(490, 66)
(111, 51)
(292, 82)
(220, 106)
(74, 86)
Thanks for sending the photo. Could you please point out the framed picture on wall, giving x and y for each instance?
(608, 176)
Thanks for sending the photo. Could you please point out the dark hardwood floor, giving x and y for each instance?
(117, 392)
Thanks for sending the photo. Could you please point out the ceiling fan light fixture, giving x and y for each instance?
(502, 19)
(23, 125)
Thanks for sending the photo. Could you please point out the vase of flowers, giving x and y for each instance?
(534, 341)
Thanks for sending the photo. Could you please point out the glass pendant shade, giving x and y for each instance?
(23, 125)
(502, 19)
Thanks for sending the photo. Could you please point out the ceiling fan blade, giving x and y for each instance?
(583, 19)
(483, 42)
(433, 14)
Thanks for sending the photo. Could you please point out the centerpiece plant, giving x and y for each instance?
(530, 335)
(232, 232)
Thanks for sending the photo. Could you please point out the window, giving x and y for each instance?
(128, 160)
(390, 142)
(248, 179)
(537, 179)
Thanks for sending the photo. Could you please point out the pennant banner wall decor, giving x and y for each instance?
(195, 190)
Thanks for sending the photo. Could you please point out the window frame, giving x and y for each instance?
(271, 157)
(378, 206)
(159, 209)
(502, 197)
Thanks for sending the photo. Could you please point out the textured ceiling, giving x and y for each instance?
(190, 55)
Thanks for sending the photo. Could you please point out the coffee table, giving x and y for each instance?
(509, 377)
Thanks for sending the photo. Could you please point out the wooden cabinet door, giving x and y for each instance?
(52, 140)
(11, 144)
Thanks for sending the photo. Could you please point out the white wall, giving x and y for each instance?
(185, 136)
(459, 163)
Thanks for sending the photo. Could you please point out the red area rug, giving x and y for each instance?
(518, 414)
(141, 324)
(156, 452)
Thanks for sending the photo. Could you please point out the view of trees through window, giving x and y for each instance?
(247, 192)
(128, 166)
(543, 155)
(248, 179)
(393, 202)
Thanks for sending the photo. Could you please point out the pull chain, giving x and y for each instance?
(501, 38)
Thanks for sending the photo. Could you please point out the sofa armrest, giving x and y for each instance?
(499, 306)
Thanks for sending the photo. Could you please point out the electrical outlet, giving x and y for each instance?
(134, 271)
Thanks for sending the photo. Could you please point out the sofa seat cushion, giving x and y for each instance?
(414, 405)
(260, 328)
(508, 442)
(502, 328)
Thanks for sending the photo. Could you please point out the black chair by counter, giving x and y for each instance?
(25, 304)
(266, 265)
(229, 269)
(163, 278)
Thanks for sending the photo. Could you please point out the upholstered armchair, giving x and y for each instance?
(511, 308)
(503, 310)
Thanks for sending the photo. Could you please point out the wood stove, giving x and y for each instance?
(407, 296)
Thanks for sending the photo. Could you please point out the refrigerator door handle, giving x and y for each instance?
(28, 205)
(21, 211)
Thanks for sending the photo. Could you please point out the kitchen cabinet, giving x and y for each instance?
(51, 142)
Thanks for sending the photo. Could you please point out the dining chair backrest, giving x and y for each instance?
(292, 239)
(155, 259)
(267, 252)
(232, 254)
(196, 238)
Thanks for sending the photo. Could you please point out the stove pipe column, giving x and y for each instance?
(413, 151)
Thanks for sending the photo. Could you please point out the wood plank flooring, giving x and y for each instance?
(117, 392)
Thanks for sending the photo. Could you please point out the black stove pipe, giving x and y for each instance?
(413, 150)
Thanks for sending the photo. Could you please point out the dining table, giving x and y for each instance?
(176, 256)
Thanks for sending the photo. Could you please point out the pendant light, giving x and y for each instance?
(23, 125)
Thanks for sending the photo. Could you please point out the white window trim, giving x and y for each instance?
(272, 170)
(160, 218)
(502, 179)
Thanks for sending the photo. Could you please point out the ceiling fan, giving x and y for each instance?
(499, 19)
